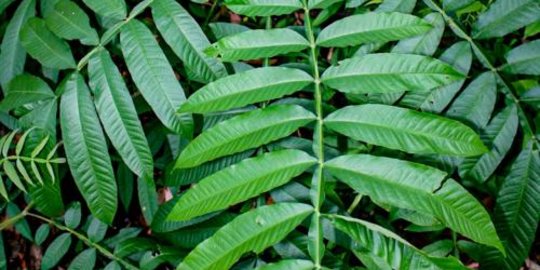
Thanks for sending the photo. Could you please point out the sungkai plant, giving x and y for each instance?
(270, 134)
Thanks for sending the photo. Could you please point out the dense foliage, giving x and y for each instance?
(269, 134)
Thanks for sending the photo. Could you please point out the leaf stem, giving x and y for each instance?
(85, 239)
(317, 186)
(508, 90)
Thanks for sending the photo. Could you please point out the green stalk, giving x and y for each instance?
(317, 193)
(508, 90)
(85, 239)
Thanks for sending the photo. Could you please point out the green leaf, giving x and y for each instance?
(69, 21)
(505, 16)
(427, 43)
(86, 149)
(72, 217)
(25, 89)
(499, 136)
(524, 59)
(96, 230)
(85, 260)
(517, 211)
(263, 7)
(256, 44)
(403, 6)
(417, 187)
(13, 176)
(389, 73)
(252, 231)
(117, 113)
(288, 264)
(3, 5)
(371, 27)
(115, 9)
(322, 4)
(12, 54)
(56, 251)
(387, 249)
(453, 5)
(148, 197)
(244, 132)
(42, 233)
(405, 130)
(475, 104)
(187, 39)
(246, 88)
(459, 56)
(223, 29)
(44, 46)
(125, 183)
(153, 74)
(240, 182)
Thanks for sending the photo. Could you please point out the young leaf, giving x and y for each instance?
(86, 149)
(12, 54)
(370, 28)
(25, 89)
(517, 211)
(44, 46)
(117, 113)
(417, 187)
(56, 251)
(240, 182)
(256, 44)
(186, 39)
(405, 130)
(389, 73)
(525, 59)
(387, 249)
(153, 74)
(499, 136)
(263, 7)
(252, 231)
(69, 21)
(244, 132)
(476, 103)
(505, 16)
(246, 88)
(115, 9)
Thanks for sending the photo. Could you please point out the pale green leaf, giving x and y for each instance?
(263, 7)
(67, 20)
(389, 73)
(505, 16)
(187, 39)
(405, 130)
(255, 44)
(44, 46)
(12, 54)
(240, 182)
(498, 136)
(417, 187)
(108, 8)
(84, 260)
(244, 132)
(252, 231)
(389, 250)
(370, 28)
(223, 29)
(153, 75)
(86, 149)
(524, 59)
(25, 89)
(246, 88)
(56, 251)
(117, 113)
(475, 104)
(427, 43)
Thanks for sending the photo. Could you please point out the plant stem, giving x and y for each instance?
(508, 90)
(317, 186)
(85, 239)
